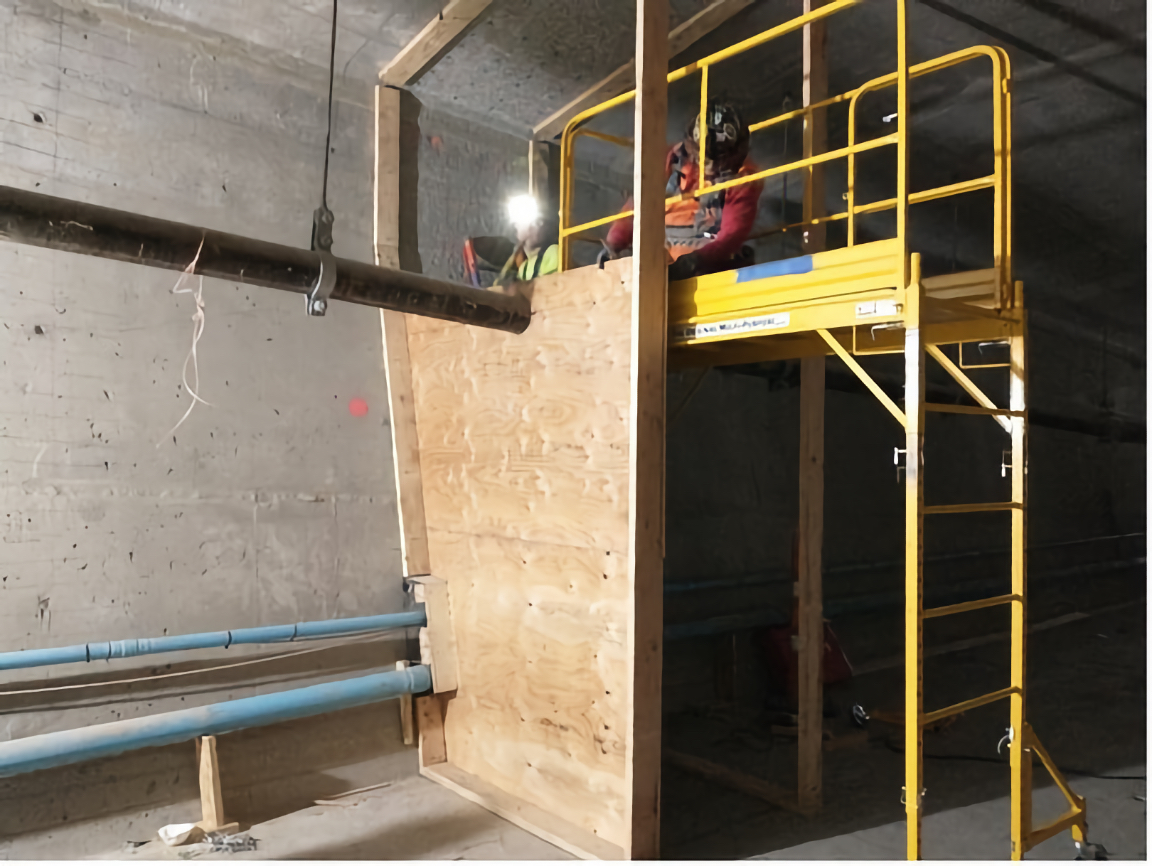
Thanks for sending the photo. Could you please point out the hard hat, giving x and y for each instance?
(728, 136)
(523, 211)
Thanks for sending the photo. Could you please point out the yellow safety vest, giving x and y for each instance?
(540, 264)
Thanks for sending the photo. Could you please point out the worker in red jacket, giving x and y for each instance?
(704, 235)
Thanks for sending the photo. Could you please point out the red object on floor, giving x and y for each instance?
(783, 664)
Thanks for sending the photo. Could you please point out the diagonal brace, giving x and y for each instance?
(968, 385)
(1031, 741)
(863, 376)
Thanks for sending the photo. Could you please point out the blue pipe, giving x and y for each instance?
(120, 649)
(44, 751)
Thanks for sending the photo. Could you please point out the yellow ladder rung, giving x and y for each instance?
(964, 706)
(977, 506)
(971, 410)
(970, 605)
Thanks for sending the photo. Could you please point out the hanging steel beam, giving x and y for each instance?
(60, 224)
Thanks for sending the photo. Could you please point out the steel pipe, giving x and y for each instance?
(58, 749)
(60, 224)
(120, 649)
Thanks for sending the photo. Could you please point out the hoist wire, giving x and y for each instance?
(331, 79)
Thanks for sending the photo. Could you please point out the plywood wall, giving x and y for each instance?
(524, 452)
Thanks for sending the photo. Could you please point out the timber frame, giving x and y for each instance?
(518, 492)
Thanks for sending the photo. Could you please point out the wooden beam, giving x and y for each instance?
(407, 726)
(646, 434)
(430, 728)
(624, 78)
(211, 800)
(386, 192)
(576, 840)
(414, 556)
(439, 37)
(809, 589)
(734, 779)
(432, 592)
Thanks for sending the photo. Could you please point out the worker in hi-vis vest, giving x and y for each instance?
(704, 235)
(537, 251)
(534, 253)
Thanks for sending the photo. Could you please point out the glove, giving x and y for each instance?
(683, 268)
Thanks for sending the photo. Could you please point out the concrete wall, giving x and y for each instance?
(274, 504)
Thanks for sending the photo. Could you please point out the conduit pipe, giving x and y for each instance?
(60, 224)
(58, 749)
(120, 649)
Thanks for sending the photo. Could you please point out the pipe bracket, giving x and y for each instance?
(322, 289)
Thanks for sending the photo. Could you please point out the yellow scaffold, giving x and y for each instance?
(822, 303)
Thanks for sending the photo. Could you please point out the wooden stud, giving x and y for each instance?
(386, 191)
(430, 725)
(809, 590)
(646, 433)
(733, 779)
(561, 833)
(436, 39)
(406, 719)
(211, 800)
(680, 39)
(439, 636)
(398, 371)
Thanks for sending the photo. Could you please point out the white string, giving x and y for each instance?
(197, 332)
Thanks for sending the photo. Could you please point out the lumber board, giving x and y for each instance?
(734, 779)
(523, 814)
(441, 636)
(524, 449)
(386, 190)
(211, 800)
(430, 728)
(681, 38)
(648, 370)
(438, 37)
(407, 719)
(401, 410)
(809, 590)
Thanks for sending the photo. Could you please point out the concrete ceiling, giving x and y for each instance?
(1079, 104)
(523, 60)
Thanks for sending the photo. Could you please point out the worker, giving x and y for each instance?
(534, 253)
(537, 251)
(707, 234)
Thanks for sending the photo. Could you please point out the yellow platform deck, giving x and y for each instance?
(773, 311)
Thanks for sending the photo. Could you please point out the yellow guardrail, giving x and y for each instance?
(999, 180)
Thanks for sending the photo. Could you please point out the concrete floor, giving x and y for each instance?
(411, 819)
(1117, 819)
(1087, 682)
(415, 819)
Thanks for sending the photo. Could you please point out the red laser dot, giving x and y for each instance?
(357, 408)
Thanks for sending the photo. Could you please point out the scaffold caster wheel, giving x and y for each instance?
(1089, 851)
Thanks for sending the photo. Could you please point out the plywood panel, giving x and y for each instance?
(524, 453)
(527, 436)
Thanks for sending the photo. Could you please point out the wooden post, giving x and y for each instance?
(398, 370)
(406, 719)
(211, 801)
(809, 589)
(646, 432)
(544, 175)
